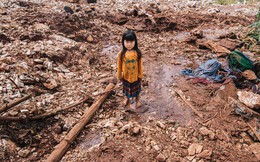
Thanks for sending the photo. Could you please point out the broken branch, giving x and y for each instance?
(180, 93)
(14, 103)
(255, 132)
(62, 147)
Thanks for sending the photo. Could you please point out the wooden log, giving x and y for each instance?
(180, 93)
(15, 102)
(62, 147)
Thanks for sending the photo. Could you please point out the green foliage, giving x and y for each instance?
(255, 28)
(228, 2)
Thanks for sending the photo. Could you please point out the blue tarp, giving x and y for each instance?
(208, 70)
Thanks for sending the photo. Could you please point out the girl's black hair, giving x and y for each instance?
(129, 35)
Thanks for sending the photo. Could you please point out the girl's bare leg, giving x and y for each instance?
(138, 103)
(127, 102)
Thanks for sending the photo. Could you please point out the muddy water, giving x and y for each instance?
(158, 95)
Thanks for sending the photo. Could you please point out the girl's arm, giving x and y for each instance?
(140, 68)
(119, 67)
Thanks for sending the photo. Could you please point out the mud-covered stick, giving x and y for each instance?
(15, 102)
(255, 132)
(180, 93)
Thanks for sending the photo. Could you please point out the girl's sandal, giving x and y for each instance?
(130, 110)
(138, 105)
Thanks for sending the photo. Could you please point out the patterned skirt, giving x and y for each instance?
(131, 89)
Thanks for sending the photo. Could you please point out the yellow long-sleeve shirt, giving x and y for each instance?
(129, 68)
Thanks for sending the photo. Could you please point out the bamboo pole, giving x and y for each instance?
(15, 102)
(63, 146)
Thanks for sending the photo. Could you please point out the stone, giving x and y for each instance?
(190, 158)
(194, 149)
(255, 148)
(160, 157)
(136, 130)
(41, 27)
(250, 99)
(214, 46)
(204, 131)
(24, 153)
(73, 1)
(51, 84)
(126, 127)
(57, 128)
(249, 75)
(38, 61)
(160, 124)
(230, 44)
(90, 39)
(205, 154)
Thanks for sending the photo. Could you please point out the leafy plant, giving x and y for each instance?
(255, 28)
(228, 2)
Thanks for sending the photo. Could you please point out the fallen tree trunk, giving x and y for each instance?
(180, 93)
(48, 114)
(62, 147)
(14, 103)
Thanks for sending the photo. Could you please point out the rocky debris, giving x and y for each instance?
(206, 132)
(214, 46)
(194, 148)
(205, 154)
(250, 99)
(160, 124)
(24, 153)
(160, 157)
(230, 44)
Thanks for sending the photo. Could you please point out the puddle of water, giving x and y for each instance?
(89, 140)
(159, 99)
(182, 36)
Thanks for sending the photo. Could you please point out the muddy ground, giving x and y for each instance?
(62, 57)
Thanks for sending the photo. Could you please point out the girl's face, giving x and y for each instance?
(129, 44)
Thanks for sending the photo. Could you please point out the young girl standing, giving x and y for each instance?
(129, 67)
